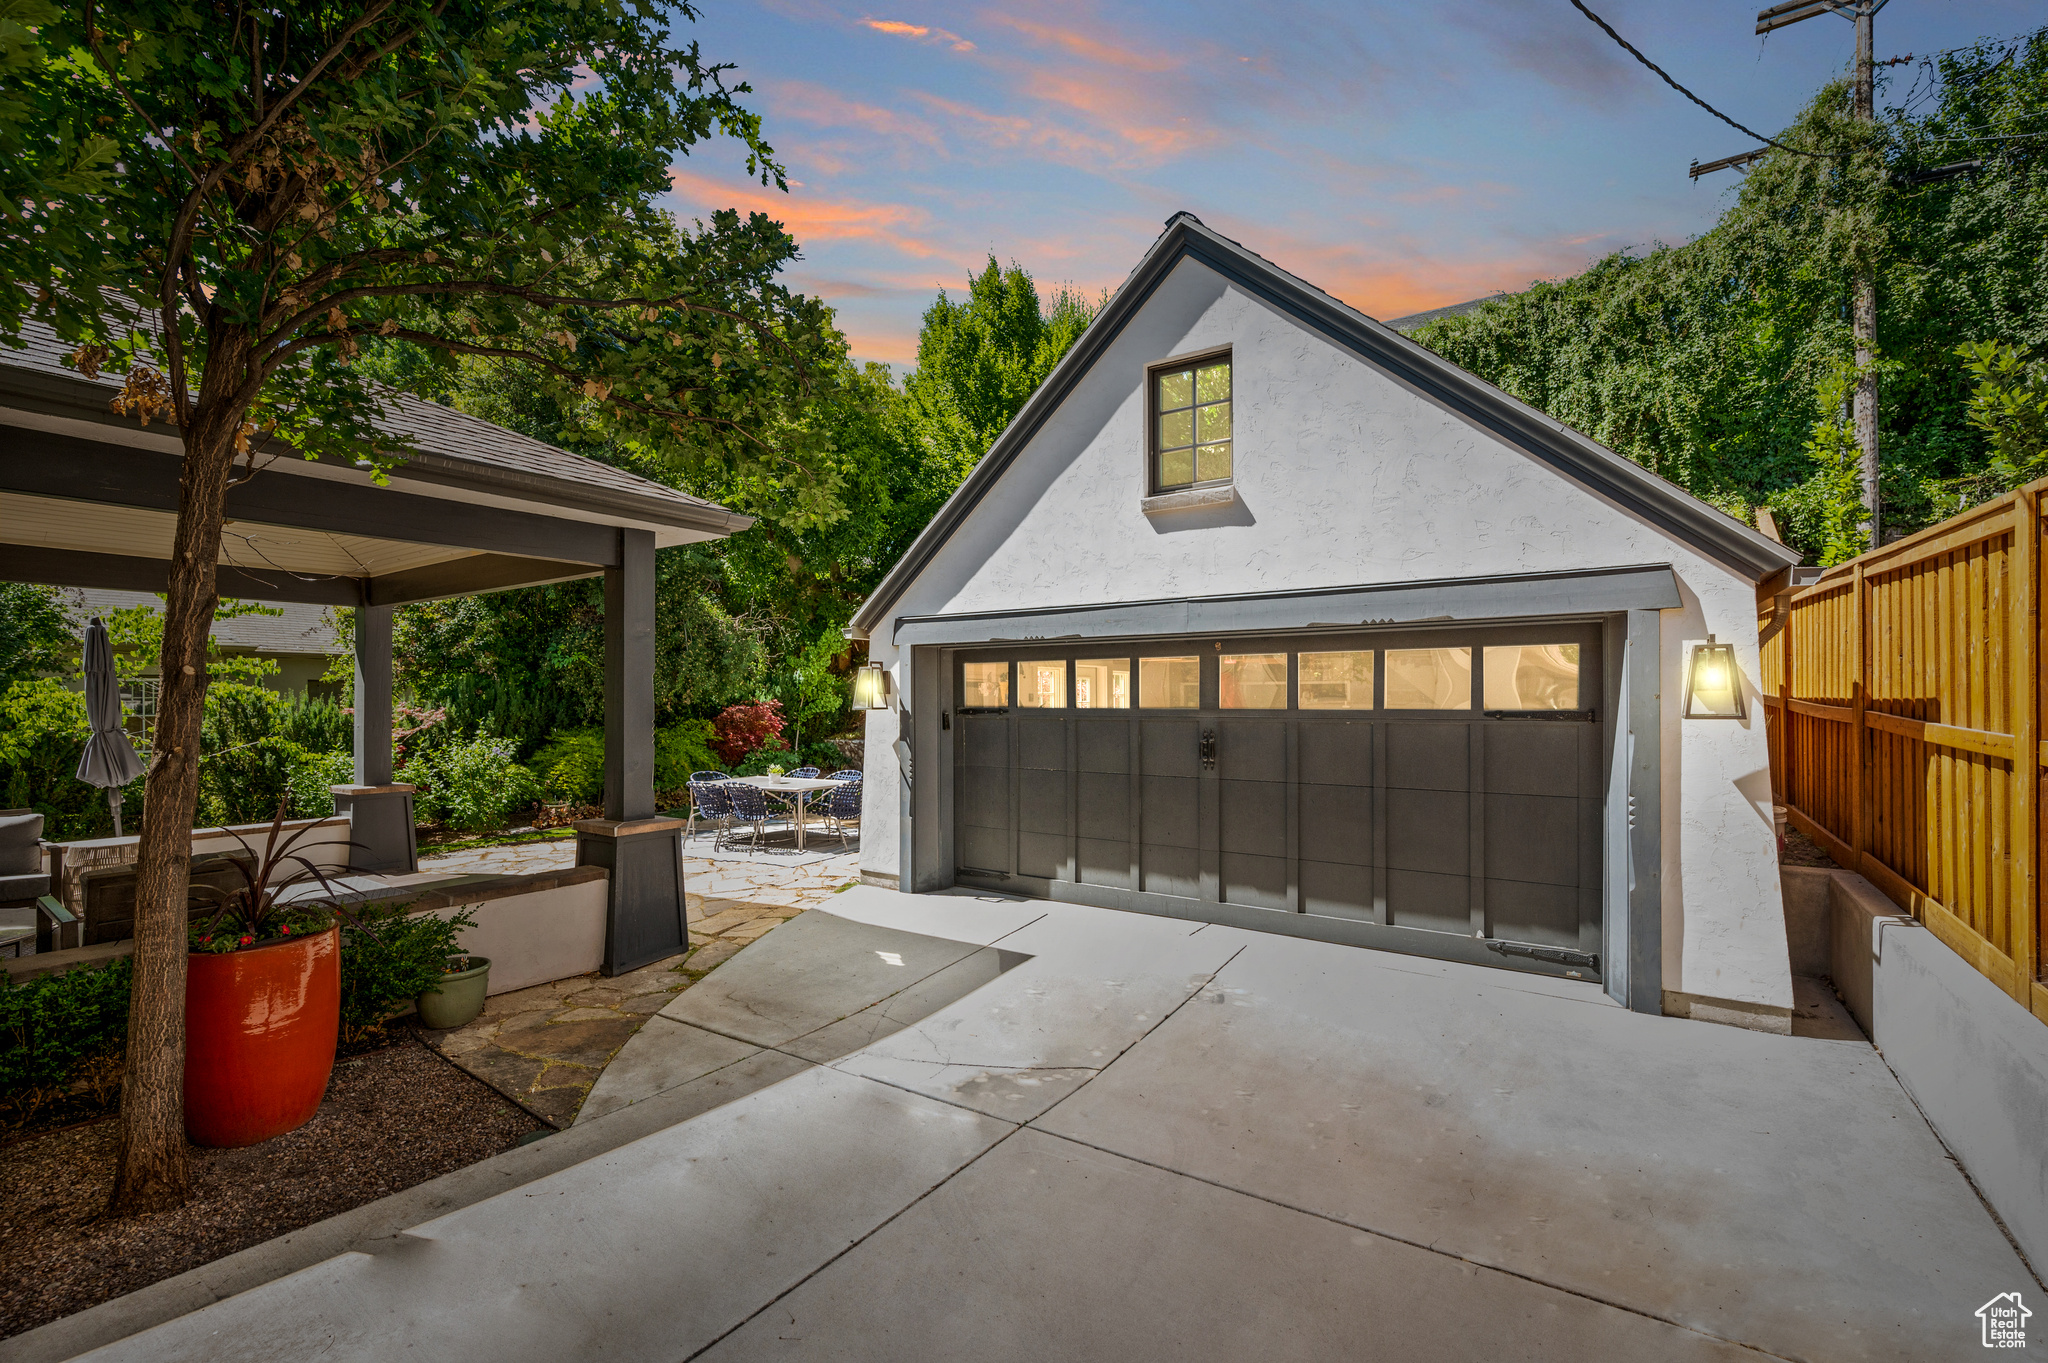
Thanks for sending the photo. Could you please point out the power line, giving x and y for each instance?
(1630, 49)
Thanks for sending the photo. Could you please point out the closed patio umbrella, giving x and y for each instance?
(109, 760)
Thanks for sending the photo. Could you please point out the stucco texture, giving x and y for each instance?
(1346, 476)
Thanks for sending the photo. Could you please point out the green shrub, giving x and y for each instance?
(313, 780)
(43, 728)
(571, 766)
(681, 748)
(51, 1025)
(388, 959)
(317, 724)
(471, 785)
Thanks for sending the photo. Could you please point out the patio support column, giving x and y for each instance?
(641, 852)
(380, 813)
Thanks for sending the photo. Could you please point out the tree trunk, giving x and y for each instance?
(151, 1172)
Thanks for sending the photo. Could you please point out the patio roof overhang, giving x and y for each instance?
(89, 498)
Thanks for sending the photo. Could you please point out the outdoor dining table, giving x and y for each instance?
(799, 787)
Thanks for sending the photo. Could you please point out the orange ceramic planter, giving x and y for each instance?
(260, 1031)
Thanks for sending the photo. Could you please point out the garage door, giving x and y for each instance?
(1439, 784)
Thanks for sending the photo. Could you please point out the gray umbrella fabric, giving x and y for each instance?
(109, 759)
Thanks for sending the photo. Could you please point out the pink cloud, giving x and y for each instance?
(809, 103)
(811, 218)
(1089, 49)
(896, 28)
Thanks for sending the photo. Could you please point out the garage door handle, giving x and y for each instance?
(1208, 749)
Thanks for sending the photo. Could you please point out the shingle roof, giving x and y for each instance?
(448, 446)
(1407, 325)
(298, 628)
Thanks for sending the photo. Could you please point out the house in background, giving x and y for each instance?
(1261, 614)
(300, 639)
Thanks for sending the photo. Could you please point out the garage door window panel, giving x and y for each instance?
(1531, 678)
(1429, 679)
(1336, 681)
(984, 686)
(1042, 685)
(1252, 681)
(1102, 684)
(1170, 683)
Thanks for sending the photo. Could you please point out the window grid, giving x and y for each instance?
(1192, 433)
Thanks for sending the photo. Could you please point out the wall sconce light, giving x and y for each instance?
(871, 688)
(1713, 683)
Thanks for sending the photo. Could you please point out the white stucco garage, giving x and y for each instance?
(1262, 614)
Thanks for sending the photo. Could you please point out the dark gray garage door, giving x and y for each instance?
(1446, 785)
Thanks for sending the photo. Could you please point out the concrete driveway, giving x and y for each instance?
(1159, 1140)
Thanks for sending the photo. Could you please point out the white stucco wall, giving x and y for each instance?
(1345, 476)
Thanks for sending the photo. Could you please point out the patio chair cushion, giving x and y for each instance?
(21, 852)
(20, 889)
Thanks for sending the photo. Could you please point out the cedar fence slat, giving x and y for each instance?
(1901, 697)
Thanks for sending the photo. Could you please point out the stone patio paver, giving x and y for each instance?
(545, 1045)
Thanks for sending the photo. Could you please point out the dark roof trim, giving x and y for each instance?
(1521, 596)
(1671, 509)
(80, 399)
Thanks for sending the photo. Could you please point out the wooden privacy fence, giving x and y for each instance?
(1902, 698)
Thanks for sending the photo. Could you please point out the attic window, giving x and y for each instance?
(1190, 423)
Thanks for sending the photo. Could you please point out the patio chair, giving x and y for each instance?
(697, 776)
(749, 806)
(712, 802)
(841, 809)
(24, 884)
(846, 774)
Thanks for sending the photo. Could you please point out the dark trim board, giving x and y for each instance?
(44, 464)
(1597, 591)
(470, 575)
(120, 572)
(1575, 456)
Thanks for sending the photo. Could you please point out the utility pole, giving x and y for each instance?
(1863, 300)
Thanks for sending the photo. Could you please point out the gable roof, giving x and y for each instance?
(1670, 508)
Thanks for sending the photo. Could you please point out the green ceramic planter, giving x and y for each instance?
(461, 997)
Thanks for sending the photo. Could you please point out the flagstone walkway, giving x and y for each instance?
(545, 1046)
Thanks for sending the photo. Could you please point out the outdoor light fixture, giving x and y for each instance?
(871, 688)
(1713, 683)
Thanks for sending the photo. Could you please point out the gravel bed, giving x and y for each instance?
(392, 1118)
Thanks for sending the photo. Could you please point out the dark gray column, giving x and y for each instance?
(380, 813)
(373, 695)
(641, 853)
(629, 679)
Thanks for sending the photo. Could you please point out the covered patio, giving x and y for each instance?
(88, 498)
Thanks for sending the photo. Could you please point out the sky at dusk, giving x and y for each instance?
(1400, 156)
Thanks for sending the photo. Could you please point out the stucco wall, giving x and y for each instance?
(1346, 476)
